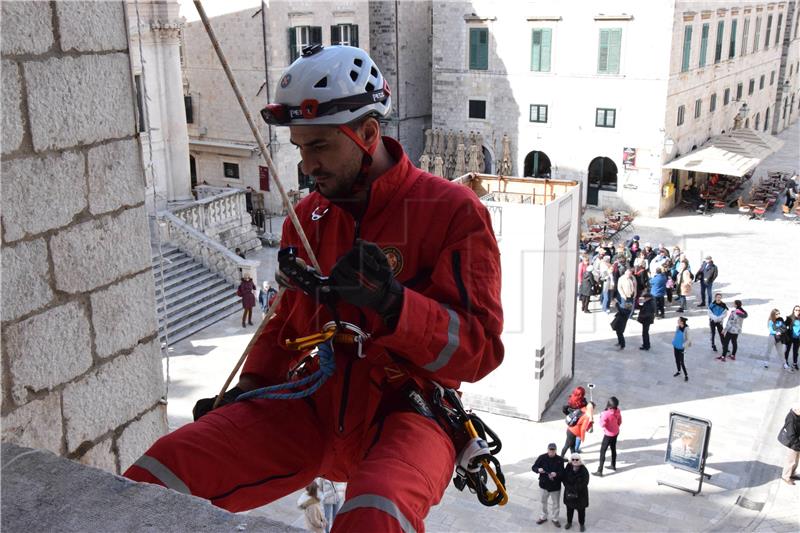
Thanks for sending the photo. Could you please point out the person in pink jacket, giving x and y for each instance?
(610, 421)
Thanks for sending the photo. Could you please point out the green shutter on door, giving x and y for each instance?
(602, 53)
(687, 48)
(614, 45)
(292, 45)
(354, 35)
(478, 48)
(473, 48)
(335, 37)
(545, 66)
(536, 50)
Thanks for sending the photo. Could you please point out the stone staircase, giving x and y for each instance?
(196, 297)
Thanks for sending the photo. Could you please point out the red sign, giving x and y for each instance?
(629, 157)
(263, 178)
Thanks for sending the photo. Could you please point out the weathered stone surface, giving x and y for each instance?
(123, 314)
(25, 278)
(101, 456)
(48, 349)
(100, 251)
(92, 26)
(43, 492)
(115, 176)
(140, 435)
(36, 424)
(79, 100)
(26, 27)
(42, 193)
(114, 394)
(12, 126)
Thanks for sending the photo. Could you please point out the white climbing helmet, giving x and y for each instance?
(332, 85)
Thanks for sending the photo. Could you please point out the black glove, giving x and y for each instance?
(205, 405)
(363, 277)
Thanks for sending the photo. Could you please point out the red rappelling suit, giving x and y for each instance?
(439, 241)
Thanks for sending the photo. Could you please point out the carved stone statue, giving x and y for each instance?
(504, 168)
(481, 159)
(438, 166)
(461, 161)
(425, 162)
(439, 142)
(472, 162)
(428, 141)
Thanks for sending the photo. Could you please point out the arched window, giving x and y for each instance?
(537, 165)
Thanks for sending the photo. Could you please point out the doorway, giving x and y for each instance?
(537, 165)
(602, 175)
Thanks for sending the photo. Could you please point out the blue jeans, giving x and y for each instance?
(330, 514)
(606, 299)
(682, 301)
(710, 292)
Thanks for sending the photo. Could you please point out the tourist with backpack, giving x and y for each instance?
(732, 330)
(791, 339)
(717, 311)
(578, 423)
(776, 328)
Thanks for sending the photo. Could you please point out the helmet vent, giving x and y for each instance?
(353, 75)
(369, 87)
(374, 72)
(322, 83)
(357, 62)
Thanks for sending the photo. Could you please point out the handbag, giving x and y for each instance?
(571, 495)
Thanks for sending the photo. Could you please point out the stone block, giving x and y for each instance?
(12, 125)
(25, 279)
(112, 395)
(79, 100)
(36, 424)
(101, 456)
(48, 349)
(123, 314)
(42, 193)
(92, 26)
(100, 251)
(115, 176)
(140, 435)
(26, 27)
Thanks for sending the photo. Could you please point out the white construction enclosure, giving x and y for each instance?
(536, 222)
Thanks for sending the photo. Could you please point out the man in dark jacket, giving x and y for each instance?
(549, 467)
(706, 276)
(647, 315)
(789, 437)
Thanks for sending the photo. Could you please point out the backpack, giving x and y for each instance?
(780, 332)
(573, 417)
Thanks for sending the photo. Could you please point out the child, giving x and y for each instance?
(679, 343)
(309, 504)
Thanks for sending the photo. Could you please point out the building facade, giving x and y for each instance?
(595, 94)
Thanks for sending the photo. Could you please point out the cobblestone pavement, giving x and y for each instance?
(746, 403)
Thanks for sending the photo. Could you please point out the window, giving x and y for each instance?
(479, 49)
(785, 105)
(608, 51)
(703, 45)
(477, 109)
(687, 48)
(605, 118)
(726, 97)
(761, 82)
(187, 104)
(698, 106)
(141, 121)
(778, 29)
(681, 111)
(751, 87)
(739, 91)
(712, 104)
(540, 49)
(302, 36)
(766, 119)
(538, 113)
(758, 33)
(732, 47)
(758, 120)
(345, 34)
(718, 46)
(766, 41)
(745, 35)
(772, 77)
(231, 170)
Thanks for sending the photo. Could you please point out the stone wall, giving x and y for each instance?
(81, 367)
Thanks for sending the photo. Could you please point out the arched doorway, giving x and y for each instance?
(537, 165)
(487, 160)
(758, 121)
(602, 175)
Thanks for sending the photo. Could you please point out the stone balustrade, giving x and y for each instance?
(211, 253)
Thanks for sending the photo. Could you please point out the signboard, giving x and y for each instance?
(629, 157)
(687, 446)
(263, 178)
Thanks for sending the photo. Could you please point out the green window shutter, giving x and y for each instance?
(315, 35)
(687, 48)
(732, 49)
(545, 52)
(354, 35)
(614, 46)
(718, 45)
(602, 53)
(703, 45)
(483, 49)
(335, 37)
(473, 48)
(536, 50)
(292, 45)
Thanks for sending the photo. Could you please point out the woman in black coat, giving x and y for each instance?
(576, 490)
(647, 315)
(621, 314)
(586, 288)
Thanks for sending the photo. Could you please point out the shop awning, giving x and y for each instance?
(732, 154)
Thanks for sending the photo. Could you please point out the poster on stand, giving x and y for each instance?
(687, 446)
